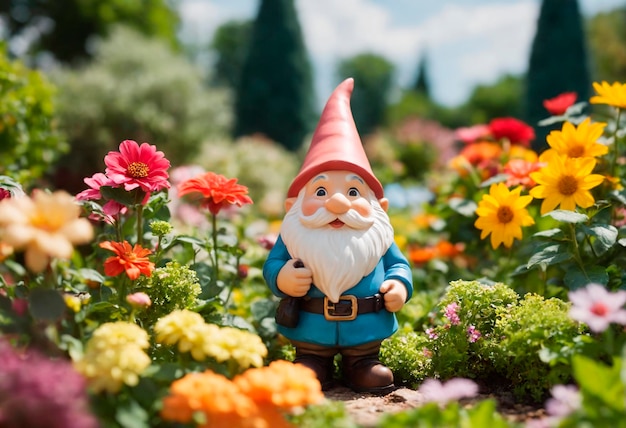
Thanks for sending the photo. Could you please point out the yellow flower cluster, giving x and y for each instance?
(258, 398)
(114, 356)
(190, 333)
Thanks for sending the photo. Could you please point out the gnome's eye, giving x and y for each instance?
(321, 191)
(354, 192)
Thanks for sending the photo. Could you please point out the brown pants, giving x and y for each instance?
(364, 350)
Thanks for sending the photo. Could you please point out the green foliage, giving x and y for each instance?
(452, 415)
(607, 43)
(559, 44)
(30, 141)
(533, 344)
(75, 22)
(275, 97)
(500, 99)
(171, 287)
(136, 89)
(230, 44)
(404, 353)
(373, 79)
(422, 82)
(329, 414)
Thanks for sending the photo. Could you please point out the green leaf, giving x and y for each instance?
(567, 216)
(576, 278)
(465, 207)
(131, 415)
(600, 381)
(549, 255)
(550, 233)
(499, 178)
(122, 196)
(606, 235)
(46, 304)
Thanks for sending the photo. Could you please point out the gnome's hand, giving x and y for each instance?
(395, 294)
(294, 279)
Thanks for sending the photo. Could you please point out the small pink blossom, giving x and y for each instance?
(434, 391)
(139, 300)
(450, 313)
(95, 182)
(473, 334)
(432, 334)
(267, 241)
(597, 307)
(565, 400)
(473, 133)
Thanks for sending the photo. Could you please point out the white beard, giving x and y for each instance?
(338, 258)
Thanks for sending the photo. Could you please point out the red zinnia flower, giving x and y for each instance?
(136, 166)
(559, 104)
(516, 131)
(129, 259)
(215, 191)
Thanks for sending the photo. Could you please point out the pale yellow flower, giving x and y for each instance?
(246, 348)
(46, 225)
(114, 356)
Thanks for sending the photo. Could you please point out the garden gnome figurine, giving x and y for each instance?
(335, 265)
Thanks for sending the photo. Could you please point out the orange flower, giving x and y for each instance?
(448, 249)
(222, 402)
(482, 152)
(519, 171)
(129, 259)
(420, 255)
(215, 191)
(282, 384)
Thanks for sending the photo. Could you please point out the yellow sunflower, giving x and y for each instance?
(502, 213)
(580, 141)
(565, 182)
(613, 95)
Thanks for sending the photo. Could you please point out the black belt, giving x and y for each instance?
(346, 309)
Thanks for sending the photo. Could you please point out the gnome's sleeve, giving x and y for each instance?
(275, 261)
(397, 267)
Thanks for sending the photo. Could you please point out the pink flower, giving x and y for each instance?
(597, 307)
(559, 104)
(136, 166)
(566, 399)
(139, 300)
(450, 313)
(110, 208)
(472, 134)
(434, 391)
(431, 333)
(473, 334)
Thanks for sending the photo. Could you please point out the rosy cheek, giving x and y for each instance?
(310, 206)
(362, 206)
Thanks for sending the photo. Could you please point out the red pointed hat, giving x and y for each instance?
(336, 144)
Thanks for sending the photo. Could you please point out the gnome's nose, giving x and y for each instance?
(338, 204)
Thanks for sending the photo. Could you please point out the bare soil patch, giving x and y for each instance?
(366, 409)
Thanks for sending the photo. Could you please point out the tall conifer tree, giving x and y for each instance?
(558, 62)
(275, 95)
(422, 83)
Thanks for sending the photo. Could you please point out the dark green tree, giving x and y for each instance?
(66, 26)
(230, 44)
(373, 78)
(500, 99)
(558, 62)
(275, 95)
(422, 82)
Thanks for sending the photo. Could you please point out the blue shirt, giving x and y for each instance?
(314, 328)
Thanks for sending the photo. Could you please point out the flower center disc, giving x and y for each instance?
(138, 170)
(568, 185)
(505, 214)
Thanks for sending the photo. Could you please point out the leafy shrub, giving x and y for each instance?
(404, 354)
(29, 139)
(136, 88)
(532, 344)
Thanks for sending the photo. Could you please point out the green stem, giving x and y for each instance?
(140, 224)
(615, 144)
(215, 256)
(572, 229)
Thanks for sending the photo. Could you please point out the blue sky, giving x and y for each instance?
(468, 42)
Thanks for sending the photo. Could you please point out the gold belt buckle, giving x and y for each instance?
(330, 306)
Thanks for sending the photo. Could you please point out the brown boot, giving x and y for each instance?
(364, 372)
(319, 359)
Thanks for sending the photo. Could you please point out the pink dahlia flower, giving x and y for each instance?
(138, 166)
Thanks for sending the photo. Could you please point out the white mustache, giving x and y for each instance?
(351, 218)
